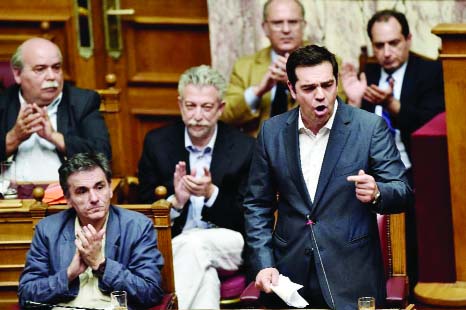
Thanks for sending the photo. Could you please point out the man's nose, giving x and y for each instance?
(386, 50)
(286, 27)
(198, 113)
(50, 74)
(319, 93)
(93, 197)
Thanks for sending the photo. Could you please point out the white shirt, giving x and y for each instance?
(198, 159)
(89, 294)
(312, 150)
(37, 158)
(398, 77)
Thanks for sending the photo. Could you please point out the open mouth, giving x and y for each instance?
(321, 108)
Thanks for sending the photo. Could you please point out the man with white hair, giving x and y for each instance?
(44, 120)
(205, 166)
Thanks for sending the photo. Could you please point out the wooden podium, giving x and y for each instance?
(453, 56)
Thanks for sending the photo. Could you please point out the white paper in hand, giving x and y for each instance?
(288, 292)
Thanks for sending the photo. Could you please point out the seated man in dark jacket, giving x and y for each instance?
(42, 119)
(204, 164)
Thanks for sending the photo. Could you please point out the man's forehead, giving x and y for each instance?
(316, 74)
(87, 178)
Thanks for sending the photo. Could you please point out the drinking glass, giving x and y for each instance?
(8, 179)
(366, 303)
(118, 300)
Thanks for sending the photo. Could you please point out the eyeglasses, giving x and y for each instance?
(279, 25)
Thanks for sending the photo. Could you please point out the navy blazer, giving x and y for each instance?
(231, 159)
(345, 228)
(421, 98)
(133, 261)
(78, 119)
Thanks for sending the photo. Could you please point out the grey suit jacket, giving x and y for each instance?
(345, 228)
(133, 261)
(78, 119)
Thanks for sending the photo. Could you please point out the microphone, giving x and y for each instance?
(29, 304)
(311, 223)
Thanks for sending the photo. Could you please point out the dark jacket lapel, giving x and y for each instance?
(291, 144)
(220, 157)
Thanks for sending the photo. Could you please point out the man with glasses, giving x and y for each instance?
(44, 120)
(403, 88)
(257, 87)
(204, 164)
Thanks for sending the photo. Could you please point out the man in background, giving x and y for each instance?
(44, 120)
(257, 87)
(204, 164)
(402, 87)
(80, 255)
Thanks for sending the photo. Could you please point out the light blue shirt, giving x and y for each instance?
(198, 160)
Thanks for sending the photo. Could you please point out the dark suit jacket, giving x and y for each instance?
(422, 95)
(133, 261)
(78, 119)
(164, 148)
(345, 228)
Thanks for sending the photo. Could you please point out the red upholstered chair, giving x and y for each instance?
(392, 239)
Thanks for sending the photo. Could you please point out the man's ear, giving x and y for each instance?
(17, 75)
(292, 89)
(266, 29)
(409, 40)
(180, 102)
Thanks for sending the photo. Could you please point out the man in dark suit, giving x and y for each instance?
(43, 120)
(402, 87)
(327, 168)
(204, 164)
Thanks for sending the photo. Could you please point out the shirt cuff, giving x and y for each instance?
(251, 99)
(209, 203)
(174, 213)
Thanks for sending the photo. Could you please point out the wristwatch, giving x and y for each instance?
(99, 272)
(376, 198)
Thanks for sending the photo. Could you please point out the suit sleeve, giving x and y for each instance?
(388, 171)
(141, 278)
(260, 205)
(91, 133)
(237, 111)
(37, 282)
(149, 174)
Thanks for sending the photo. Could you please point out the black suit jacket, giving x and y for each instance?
(232, 153)
(422, 95)
(78, 119)
(345, 229)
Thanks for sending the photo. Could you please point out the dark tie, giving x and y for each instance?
(386, 115)
(280, 100)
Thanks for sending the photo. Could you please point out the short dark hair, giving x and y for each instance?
(384, 16)
(83, 162)
(309, 56)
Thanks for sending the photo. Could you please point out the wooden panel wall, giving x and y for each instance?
(163, 39)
